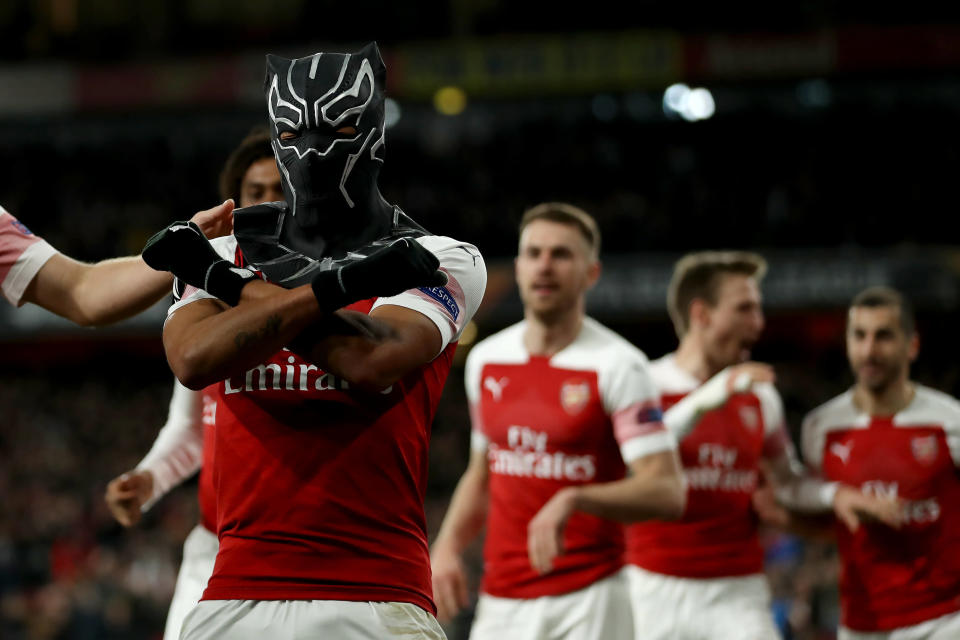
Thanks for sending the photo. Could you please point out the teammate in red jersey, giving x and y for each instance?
(561, 407)
(89, 294)
(890, 436)
(321, 435)
(701, 576)
(185, 443)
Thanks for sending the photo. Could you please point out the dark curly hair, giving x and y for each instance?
(255, 146)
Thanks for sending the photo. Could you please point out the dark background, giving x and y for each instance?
(833, 151)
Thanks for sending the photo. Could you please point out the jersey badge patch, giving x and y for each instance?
(442, 295)
(574, 396)
(842, 451)
(924, 449)
(749, 418)
(22, 228)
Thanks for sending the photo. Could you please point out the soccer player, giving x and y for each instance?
(89, 294)
(890, 436)
(701, 576)
(561, 408)
(321, 431)
(184, 443)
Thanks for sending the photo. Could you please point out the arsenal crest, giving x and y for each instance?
(924, 449)
(749, 418)
(574, 395)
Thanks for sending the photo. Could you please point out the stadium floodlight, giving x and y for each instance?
(450, 101)
(690, 104)
(699, 105)
(674, 98)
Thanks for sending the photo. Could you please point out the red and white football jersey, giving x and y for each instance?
(22, 254)
(895, 578)
(319, 488)
(717, 535)
(548, 423)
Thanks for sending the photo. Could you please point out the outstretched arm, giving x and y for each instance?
(808, 495)
(111, 290)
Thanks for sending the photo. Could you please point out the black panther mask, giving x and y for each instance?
(327, 130)
(326, 124)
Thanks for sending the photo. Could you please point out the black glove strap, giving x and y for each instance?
(329, 290)
(226, 281)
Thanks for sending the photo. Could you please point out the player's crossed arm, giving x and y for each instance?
(208, 340)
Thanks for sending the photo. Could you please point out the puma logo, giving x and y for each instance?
(495, 386)
(842, 451)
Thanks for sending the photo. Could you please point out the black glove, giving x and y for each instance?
(401, 265)
(184, 251)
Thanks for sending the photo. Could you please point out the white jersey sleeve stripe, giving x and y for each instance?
(643, 446)
(452, 306)
(25, 269)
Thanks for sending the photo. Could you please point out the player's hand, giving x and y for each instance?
(184, 251)
(127, 493)
(216, 221)
(742, 377)
(401, 265)
(768, 510)
(853, 507)
(449, 583)
(739, 378)
(545, 531)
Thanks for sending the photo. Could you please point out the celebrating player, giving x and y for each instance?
(561, 408)
(701, 576)
(323, 416)
(890, 436)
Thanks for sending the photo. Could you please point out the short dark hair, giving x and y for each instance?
(566, 214)
(254, 147)
(879, 296)
(697, 275)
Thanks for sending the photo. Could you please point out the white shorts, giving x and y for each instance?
(199, 554)
(308, 620)
(598, 612)
(943, 628)
(672, 608)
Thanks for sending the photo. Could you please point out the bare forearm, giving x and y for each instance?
(467, 513)
(371, 352)
(97, 294)
(209, 349)
(632, 499)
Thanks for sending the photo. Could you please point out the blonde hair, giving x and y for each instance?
(566, 214)
(697, 276)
